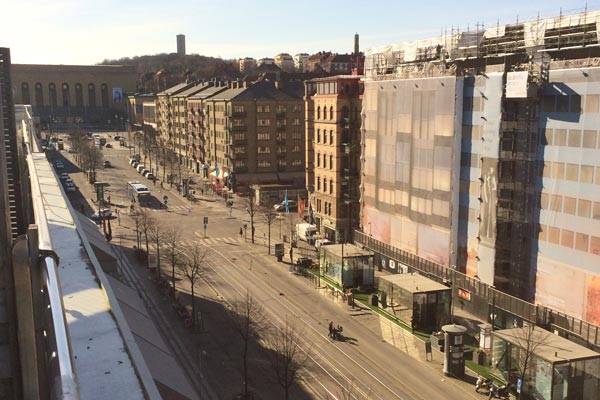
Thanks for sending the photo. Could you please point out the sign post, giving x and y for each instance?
(205, 225)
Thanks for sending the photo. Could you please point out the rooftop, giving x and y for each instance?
(414, 283)
(349, 250)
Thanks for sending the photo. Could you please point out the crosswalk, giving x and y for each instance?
(213, 241)
(173, 208)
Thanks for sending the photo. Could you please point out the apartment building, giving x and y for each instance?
(285, 62)
(481, 154)
(247, 64)
(165, 113)
(255, 133)
(300, 62)
(333, 107)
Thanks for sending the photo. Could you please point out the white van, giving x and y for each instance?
(140, 168)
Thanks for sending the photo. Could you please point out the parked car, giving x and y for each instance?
(140, 168)
(63, 176)
(70, 150)
(106, 213)
(322, 242)
(108, 146)
(67, 181)
(135, 164)
(150, 176)
(70, 187)
(292, 206)
(146, 171)
(107, 164)
(117, 137)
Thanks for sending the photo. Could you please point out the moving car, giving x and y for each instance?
(70, 187)
(108, 146)
(106, 213)
(107, 164)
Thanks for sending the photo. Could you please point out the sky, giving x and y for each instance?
(85, 32)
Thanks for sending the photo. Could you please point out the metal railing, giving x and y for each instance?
(59, 361)
(570, 326)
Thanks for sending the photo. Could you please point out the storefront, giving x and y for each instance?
(555, 368)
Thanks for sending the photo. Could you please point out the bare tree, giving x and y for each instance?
(248, 321)
(270, 217)
(251, 209)
(146, 222)
(136, 216)
(156, 232)
(192, 267)
(173, 249)
(286, 358)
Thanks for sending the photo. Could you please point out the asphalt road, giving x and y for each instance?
(363, 366)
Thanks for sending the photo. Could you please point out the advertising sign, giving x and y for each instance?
(516, 84)
(152, 262)
(117, 95)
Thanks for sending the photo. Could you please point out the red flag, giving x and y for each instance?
(300, 208)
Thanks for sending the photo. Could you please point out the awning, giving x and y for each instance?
(222, 174)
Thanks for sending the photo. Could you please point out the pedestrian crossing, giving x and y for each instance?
(173, 208)
(213, 241)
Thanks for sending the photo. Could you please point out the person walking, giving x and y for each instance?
(330, 329)
(291, 255)
(241, 232)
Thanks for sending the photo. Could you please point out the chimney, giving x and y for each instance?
(356, 48)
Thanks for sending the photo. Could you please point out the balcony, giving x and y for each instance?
(280, 128)
(280, 115)
(239, 128)
(349, 173)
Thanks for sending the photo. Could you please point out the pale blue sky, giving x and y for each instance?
(86, 32)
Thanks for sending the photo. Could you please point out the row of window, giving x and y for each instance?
(571, 172)
(66, 95)
(325, 160)
(570, 239)
(576, 138)
(324, 210)
(570, 205)
(267, 108)
(326, 189)
(318, 137)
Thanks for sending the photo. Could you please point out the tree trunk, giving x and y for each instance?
(269, 248)
(193, 306)
(173, 273)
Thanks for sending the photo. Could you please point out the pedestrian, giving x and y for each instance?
(241, 232)
(291, 255)
(330, 328)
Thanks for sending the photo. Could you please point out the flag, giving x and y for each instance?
(300, 208)
(311, 215)
(217, 170)
(287, 208)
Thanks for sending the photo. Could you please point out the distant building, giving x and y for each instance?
(181, 44)
(73, 93)
(313, 62)
(247, 64)
(300, 62)
(285, 62)
(265, 61)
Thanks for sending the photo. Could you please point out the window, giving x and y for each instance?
(558, 170)
(581, 242)
(318, 159)
(104, 95)
(324, 136)
(25, 97)
(555, 203)
(331, 186)
(324, 160)
(331, 161)
(331, 112)
(596, 210)
(587, 174)
(263, 108)
(296, 163)
(78, 95)
(52, 94)
(296, 122)
(39, 95)
(296, 135)
(572, 172)
(282, 163)
(574, 138)
(264, 136)
(595, 245)
(264, 163)
(264, 122)
(331, 137)
(583, 208)
(66, 95)
(264, 150)
(553, 235)
(318, 183)
(324, 185)
(295, 149)
(319, 112)
(591, 103)
(570, 205)
(280, 108)
(560, 137)
(318, 140)
(589, 139)
(566, 239)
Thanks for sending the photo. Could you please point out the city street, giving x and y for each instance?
(363, 366)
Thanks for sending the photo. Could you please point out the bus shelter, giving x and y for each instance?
(348, 265)
(556, 368)
(416, 299)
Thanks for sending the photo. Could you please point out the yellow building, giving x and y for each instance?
(333, 153)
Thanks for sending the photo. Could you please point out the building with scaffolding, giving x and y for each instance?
(481, 155)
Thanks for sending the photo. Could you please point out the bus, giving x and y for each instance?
(139, 193)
